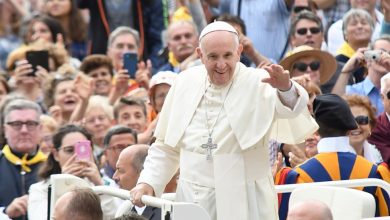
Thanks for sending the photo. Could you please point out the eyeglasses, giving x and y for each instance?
(118, 148)
(362, 119)
(67, 149)
(313, 30)
(388, 95)
(315, 65)
(17, 125)
(298, 9)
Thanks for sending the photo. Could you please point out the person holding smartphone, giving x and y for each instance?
(26, 80)
(67, 157)
(123, 45)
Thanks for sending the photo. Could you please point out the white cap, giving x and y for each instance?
(167, 77)
(217, 26)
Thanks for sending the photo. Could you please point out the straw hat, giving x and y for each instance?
(328, 62)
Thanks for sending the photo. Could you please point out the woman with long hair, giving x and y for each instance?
(72, 21)
(63, 159)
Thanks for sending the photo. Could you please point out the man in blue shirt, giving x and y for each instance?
(375, 61)
(267, 22)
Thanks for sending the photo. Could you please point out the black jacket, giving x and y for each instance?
(148, 14)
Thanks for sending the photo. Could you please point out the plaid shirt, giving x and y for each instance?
(337, 11)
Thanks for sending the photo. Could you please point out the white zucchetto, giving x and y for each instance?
(217, 26)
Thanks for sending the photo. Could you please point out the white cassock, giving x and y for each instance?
(237, 183)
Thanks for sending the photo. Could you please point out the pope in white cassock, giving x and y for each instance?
(215, 125)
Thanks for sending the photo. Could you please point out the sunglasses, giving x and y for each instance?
(313, 30)
(298, 9)
(315, 65)
(388, 95)
(362, 119)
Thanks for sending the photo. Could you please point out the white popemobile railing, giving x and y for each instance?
(169, 209)
(61, 183)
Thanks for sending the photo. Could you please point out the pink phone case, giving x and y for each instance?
(83, 150)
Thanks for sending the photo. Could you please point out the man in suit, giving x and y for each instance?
(129, 166)
(336, 159)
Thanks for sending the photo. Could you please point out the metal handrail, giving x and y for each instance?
(125, 194)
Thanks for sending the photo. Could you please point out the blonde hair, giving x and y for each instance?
(97, 101)
(49, 122)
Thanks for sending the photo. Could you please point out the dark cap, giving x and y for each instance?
(333, 111)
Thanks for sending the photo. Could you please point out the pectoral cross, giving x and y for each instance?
(209, 146)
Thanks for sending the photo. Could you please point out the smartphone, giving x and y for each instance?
(83, 150)
(130, 61)
(372, 55)
(38, 58)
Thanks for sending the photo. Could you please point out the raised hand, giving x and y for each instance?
(144, 73)
(22, 71)
(356, 61)
(278, 77)
(84, 87)
(42, 75)
(56, 112)
(91, 171)
(302, 80)
(72, 166)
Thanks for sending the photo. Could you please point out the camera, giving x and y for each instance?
(372, 55)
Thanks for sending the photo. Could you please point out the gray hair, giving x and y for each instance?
(305, 15)
(384, 79)
(21, 104)
(181, 22)
(98, 101)
(357, 13)
(120, 31)
(140, 156)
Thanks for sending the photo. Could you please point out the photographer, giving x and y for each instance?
(377, 61)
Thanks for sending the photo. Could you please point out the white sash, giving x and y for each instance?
(233, 174)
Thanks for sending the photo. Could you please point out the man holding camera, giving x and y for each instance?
(378, 64)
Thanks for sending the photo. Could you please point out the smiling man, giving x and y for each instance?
(215, 125)
(182, 42)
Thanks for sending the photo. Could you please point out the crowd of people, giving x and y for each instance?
(217, 101)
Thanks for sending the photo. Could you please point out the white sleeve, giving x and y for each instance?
(290, 97)
(37, 201)
(160, 165)
(3, 216)
(290, 103)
